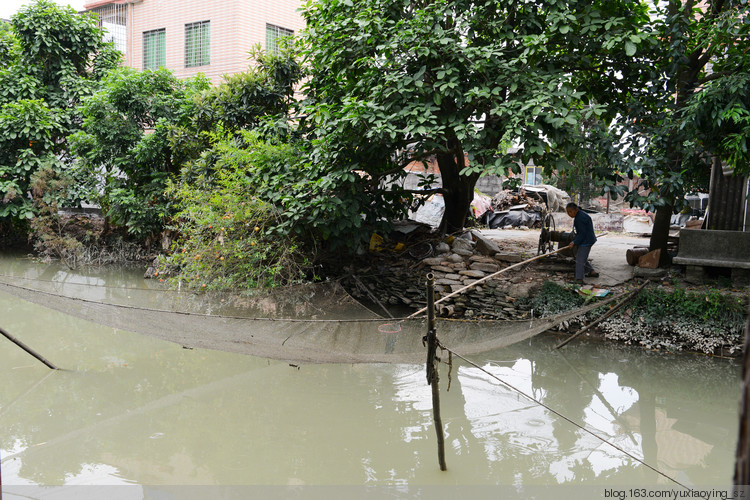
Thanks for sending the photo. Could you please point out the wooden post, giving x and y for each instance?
(432, 371)
(27, 348)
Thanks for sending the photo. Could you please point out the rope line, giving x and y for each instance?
(572, 422)
(385, 322)
(157, 288)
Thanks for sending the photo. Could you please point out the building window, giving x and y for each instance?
(197, 44)
(273, 33)
(154, 49)
(113, 18)
(533, 175)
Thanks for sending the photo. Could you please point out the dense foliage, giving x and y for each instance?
(143, 129)
(691, 105)
(458, 81)
(123, 149)
(52, 58)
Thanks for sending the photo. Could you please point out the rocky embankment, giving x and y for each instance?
(398, 281)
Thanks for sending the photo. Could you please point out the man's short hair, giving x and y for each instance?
(571, 205)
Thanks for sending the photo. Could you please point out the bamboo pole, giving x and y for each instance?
(609, 313)
(27, 349)
(372, 296)
(432, 371)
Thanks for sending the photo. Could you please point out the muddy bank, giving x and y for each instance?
(670, 315)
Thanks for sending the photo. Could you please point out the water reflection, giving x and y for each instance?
(126, 286)
(131, 409)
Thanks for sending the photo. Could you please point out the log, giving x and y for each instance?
(633, 254)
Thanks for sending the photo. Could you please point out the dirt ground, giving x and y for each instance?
(607, 255)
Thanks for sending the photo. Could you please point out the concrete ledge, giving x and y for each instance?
(686, 261)
(700, 247)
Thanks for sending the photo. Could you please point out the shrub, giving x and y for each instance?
(555, 299)
(228, 236)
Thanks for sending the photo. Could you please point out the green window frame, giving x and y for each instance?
(198, 44)
(273, 33)
(154, 49)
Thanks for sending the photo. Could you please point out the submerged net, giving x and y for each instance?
(316, 323)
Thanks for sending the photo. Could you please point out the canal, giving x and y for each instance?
(142, 415)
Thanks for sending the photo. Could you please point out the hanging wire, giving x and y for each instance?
(93, 285)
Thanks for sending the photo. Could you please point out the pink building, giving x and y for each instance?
(212, 37)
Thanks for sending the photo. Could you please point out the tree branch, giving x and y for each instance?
(713, 76)
(426, 191)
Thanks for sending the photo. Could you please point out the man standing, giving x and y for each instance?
(584, 240)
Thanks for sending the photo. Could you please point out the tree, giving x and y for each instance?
(27, 143)
(124, 150)
(396, 82)
(143, 129)
(261, 97)
(52, 58)
(693, 106)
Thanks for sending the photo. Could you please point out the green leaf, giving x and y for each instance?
(630, 48)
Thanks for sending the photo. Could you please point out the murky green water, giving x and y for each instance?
(133, 410)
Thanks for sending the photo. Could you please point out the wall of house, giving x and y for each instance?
(236, 26)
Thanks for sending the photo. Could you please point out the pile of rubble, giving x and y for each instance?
(455, 263)
(525, 207)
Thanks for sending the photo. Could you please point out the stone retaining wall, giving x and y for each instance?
(458, 264)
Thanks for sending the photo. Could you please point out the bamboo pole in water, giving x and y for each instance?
(27, 349)
(432, 371)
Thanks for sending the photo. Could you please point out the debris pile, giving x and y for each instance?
(510, 200)
(515, 209)
(454, 263)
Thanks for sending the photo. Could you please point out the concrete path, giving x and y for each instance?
(607, 256)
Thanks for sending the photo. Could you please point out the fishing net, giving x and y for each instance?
(315, 323)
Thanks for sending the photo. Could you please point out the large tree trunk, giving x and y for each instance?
(660, 232)
(458, 192)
